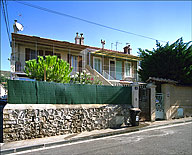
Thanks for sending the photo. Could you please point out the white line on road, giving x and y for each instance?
(86, 141)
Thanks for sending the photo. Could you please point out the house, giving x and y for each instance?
(112, 67)
(3, 91)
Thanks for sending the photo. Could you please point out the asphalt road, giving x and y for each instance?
(176, 139)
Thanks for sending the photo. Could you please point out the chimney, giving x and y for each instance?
(103, 43)
(127, 49)
(77, 39)
(14, 27)
(81, 39)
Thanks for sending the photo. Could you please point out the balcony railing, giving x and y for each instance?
(112, 75)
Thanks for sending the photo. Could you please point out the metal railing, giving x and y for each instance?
(107, 76)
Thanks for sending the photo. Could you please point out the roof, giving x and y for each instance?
(161, 80)
(25, 39)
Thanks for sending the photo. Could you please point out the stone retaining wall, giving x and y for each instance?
(24, 121)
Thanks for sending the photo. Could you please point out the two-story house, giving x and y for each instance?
(112, 67)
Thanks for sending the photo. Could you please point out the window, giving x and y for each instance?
(97, 64)
(128, 69)
(48, 53)
(30, 54)
(40, 52)
(112, 69)
(74, 62)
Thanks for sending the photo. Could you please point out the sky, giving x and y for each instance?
(162, 20)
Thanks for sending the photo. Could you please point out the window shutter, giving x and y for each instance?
(69, 59)
(27, 54)
(80, 63)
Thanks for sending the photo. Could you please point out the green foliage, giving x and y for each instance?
(85, 78)
(4, 76)
(57, 70)
(170, 61)
(3, 81)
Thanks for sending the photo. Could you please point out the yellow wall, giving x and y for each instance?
(177, 97)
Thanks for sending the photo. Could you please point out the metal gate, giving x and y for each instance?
(159, 114)
(144, 103)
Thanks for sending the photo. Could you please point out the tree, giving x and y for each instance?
(170, 61)
(4, 77)
(56, 69)
(3, 81)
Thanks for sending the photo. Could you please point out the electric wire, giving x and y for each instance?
(8, 32)
(84, 20)
(6, 10)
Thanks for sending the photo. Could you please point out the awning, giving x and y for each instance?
(118, 55)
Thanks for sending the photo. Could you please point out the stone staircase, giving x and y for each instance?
(93, 72)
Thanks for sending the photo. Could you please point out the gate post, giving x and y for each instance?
(152, 100)
(135, 95)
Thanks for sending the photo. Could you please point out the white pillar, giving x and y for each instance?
(152, 100)
(135, 95)
(166, 89)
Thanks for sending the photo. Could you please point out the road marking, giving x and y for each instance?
(141, 137)
(86, 141)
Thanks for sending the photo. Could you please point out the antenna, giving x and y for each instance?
(17, 27)
(127, 44)
(117, 44)
(111, 46)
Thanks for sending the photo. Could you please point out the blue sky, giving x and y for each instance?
(162, 20)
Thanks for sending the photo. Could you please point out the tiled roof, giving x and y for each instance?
(34, 39)
(161, 80)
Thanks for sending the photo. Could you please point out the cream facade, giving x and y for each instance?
(112, 66)
(177, 100)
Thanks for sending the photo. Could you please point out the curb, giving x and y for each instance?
(127, 130)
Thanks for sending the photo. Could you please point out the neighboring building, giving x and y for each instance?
(112, 67)
(3, 91)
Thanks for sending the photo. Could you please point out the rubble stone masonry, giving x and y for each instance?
(28, 121)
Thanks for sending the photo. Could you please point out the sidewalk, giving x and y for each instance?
(24, 145)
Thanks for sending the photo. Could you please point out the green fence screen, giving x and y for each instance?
(39, 92)
(22, 92)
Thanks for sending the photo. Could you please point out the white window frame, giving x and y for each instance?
(125, 69)
(110, 66)
(94, 63)
(116, 69)
(75, 68)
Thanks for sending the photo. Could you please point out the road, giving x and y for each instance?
(173, 139)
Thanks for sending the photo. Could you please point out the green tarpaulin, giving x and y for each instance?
(39, 92)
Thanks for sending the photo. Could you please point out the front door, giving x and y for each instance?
(119, 70)
(112, 69)
(159, 106)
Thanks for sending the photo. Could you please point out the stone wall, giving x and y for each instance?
(25, 121)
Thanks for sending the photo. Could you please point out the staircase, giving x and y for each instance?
(98, 75)
(106, 78)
